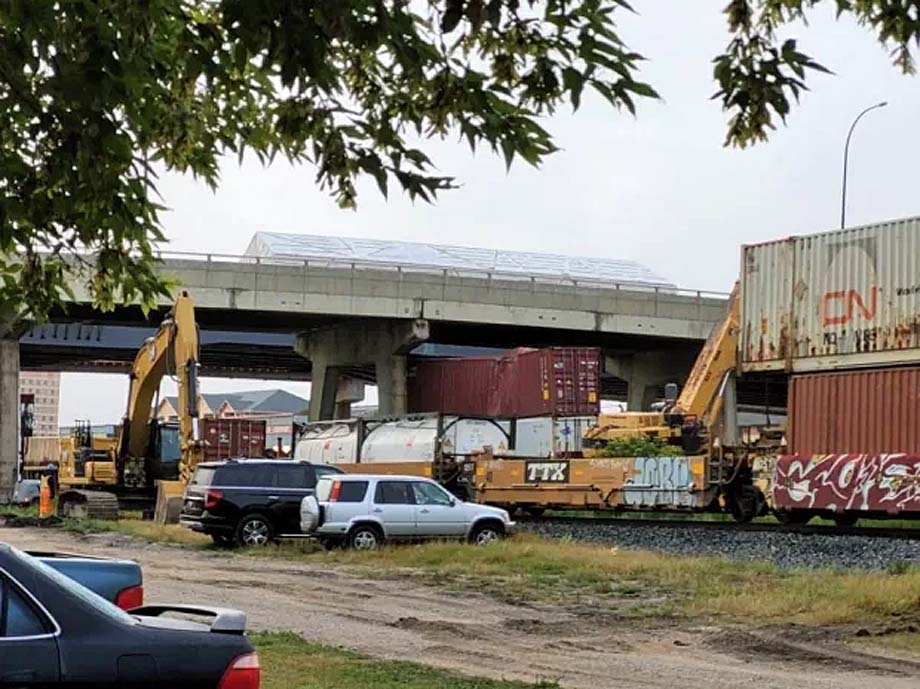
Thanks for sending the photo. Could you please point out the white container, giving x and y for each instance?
(328, 443)
(843, 299)
(544, 436)
(401, 440)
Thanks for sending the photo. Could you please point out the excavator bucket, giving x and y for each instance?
(169, 502)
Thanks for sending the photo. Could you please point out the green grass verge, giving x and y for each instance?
(289, 662)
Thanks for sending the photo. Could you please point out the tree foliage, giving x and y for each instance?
(98, 95)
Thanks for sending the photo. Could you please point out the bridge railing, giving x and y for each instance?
(407, 267)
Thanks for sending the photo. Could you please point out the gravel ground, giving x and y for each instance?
(787, 550)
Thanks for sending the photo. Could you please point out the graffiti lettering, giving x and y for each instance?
(546, 472)
(883, 483)
(660, 481)
(838, 308)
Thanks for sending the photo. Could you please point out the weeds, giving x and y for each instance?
(289, 661)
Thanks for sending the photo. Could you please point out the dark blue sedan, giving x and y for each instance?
(55, 631)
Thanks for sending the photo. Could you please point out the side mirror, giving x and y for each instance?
(453, 503)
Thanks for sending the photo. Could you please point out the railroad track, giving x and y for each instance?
(698, 524)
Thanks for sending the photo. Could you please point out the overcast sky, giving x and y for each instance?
(659, 188)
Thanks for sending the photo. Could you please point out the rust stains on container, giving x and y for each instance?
(838, 300)
(233, 438)
(864, 411)
(556, 381)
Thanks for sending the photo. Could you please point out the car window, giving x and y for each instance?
(242, 476)
(295, 476)
(326, 470)
(394, 493)
(352, 491)
(430, 494)
(323, 488)
(17, 617)
(203, 476)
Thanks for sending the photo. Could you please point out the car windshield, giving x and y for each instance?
(77, 590)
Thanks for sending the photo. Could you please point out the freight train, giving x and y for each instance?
(826, 325)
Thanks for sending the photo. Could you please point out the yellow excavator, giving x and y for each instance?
(691, 418)
(151, 458)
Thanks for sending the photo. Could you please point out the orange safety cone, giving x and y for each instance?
(45, 507)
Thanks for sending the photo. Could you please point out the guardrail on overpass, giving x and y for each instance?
(332, 287)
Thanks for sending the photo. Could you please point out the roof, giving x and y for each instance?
(465, 259)
(253, 401)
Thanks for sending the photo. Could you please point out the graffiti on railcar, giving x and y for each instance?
(883, 482)
(660, 481)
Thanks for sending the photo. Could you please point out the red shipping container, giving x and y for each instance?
(556, 381)
(856, 412)
(232, 438)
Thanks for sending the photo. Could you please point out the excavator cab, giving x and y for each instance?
(165, 451)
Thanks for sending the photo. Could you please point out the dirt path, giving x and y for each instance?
(400, 619)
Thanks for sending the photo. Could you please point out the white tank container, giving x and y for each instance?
(335, 443)
(401, 440)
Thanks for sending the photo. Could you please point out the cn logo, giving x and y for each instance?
(838, 308)
(546, 472)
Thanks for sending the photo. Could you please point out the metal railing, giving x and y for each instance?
(477, 273)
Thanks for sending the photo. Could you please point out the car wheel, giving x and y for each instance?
(254, 530)
(484, 534)
(222, 540)
(365, 538)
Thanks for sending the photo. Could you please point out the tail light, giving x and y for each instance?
(211, 498)
(336, 491)
(131, 597)
(243, 673)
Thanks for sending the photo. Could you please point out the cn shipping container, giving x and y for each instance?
(230, 438)
(845, 299)
(855, 412)
(556, 381)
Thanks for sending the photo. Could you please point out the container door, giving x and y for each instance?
(437, 514)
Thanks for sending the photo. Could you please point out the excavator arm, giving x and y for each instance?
(172, 350)
(700, 396)
(697, 407)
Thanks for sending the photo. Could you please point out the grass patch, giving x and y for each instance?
(904, 642)
(289, 662)
(529, 567)
(146, 530)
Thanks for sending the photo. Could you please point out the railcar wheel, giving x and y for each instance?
(793, 517)
(846, 519)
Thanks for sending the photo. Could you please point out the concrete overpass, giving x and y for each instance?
(650, 333)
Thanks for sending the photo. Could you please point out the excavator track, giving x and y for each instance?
(91, 504)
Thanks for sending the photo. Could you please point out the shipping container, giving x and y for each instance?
(545, 436)
(844, 299)
(863, 411)
(227, 438)
(555, 381)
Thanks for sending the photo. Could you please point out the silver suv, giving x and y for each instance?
(364, 511)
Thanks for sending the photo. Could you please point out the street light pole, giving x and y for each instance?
(846, 158)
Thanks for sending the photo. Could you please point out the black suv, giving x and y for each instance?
(249, 501)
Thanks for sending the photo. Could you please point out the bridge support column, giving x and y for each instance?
(646, 372)
(380, 342)
(9, 417)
